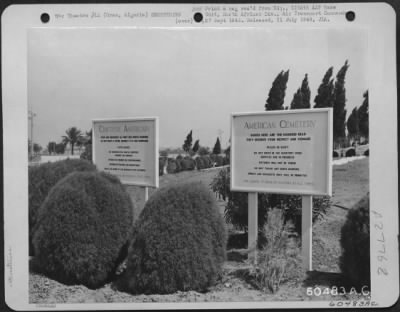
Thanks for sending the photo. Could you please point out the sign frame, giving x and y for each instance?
(155, 119)
(285, 190)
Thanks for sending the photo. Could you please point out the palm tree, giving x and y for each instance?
(73, 136)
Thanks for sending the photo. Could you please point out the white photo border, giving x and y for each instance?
(379, 19)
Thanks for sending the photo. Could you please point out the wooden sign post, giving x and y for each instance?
(306, 231)
(252, 230)
(282, 152)
(128, 148)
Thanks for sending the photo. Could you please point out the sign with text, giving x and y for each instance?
(127, 148)
(282, 152)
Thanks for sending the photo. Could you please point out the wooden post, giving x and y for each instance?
(137, 198)
(306, 231)
(252, 230)
(146, 194)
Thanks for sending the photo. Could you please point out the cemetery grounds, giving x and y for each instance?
(350, 184)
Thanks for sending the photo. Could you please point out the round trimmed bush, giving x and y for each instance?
(188, 163)
(82, 230)
(178, 242)
(366, 153)
(351, 152)
(199, 163)
(335, 154)
(207, 161)
(355, 237)
(42, 178)
(178, 162)
(219, 161)
(171, 166)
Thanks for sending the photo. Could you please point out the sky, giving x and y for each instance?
(191, 80)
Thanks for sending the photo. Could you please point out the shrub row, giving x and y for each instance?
(188, 163)
(350, 153)
(83, 230)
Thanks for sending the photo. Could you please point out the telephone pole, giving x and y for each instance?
(31, 115)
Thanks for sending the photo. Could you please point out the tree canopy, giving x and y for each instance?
(301, 99)
(73, 136)
(187, 145)
(277, 92)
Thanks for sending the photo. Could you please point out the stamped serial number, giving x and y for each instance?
(336, 291)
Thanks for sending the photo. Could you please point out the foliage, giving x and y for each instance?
(324, 97)
(353, 123)
(203, 150)
(60, 148)
(42, 178)
(279, 260)
(203, 162)
(88, 137)
(51, 147)
(188, 142)
(196, 146)
(335, 154)
(178, 162)
(161, 165)
(355, 242)
(219, 161)
(366, 153)
(363, 114)
(82, 228)
(36, 147)
(171, 166)
(227, 152)
(339, 104)
(237, 203)
(207, 160)
(301, 99)
(178, 242)
(72, 137)
(87, 153)
(164, 153)
(217, 147)
(351, 152)
(277, 92)
(200, 163)
(188, 164)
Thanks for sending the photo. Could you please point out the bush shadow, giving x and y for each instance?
(319, 278)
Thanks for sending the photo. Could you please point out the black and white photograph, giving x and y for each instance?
(212, 164)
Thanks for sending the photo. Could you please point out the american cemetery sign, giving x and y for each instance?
(287, 152)
(127, 148)
(282, 152)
